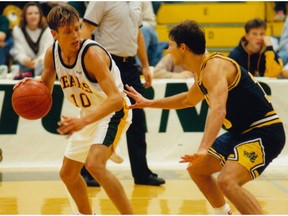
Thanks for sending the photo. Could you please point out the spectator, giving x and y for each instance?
(5, 40)
(281, 46)
(154, 49)
(46, 6)
(283, 49)
(31, 39)
(122, 37)
(283, 43)
(280, 10)
(166, 69)
(255, 52)
(12, 11)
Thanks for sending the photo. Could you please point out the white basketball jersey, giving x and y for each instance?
(77, 87)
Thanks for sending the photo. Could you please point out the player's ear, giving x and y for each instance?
(246, 36)
(54, 34)
(183, 47)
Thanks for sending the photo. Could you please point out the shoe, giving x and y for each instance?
(22, 75)
(151, 180)
(91, 182)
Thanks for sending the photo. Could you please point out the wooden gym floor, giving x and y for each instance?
(41, 192)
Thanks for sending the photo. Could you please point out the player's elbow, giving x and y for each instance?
(117, 102)
(220, 112)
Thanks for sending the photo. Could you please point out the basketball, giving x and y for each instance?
(31, 100)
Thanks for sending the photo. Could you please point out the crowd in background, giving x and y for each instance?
(25, 36)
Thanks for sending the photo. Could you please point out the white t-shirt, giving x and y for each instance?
(117, 25)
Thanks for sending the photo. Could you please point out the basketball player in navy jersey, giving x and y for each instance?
(90, 80)
(255, 134)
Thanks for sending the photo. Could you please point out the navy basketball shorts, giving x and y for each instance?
(254, 149)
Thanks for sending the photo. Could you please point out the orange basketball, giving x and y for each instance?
(31, 100)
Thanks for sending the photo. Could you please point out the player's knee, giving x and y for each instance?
(225, 184)
(193, 171)
(95, 169)
(66, 175)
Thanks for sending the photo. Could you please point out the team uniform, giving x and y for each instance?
(255, 134)
(85, 93)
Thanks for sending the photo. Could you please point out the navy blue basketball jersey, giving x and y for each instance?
(247, 106)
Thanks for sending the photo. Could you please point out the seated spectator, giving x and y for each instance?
(46, 6)
(12, 10)
(31, 39)
(283, 43)
(5, 40)
(166, 69)
(280, 10)
(154, 49)
(284, 73)
(255, 52)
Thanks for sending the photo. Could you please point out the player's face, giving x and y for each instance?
(69, 37)
(255, 38)
(175, 52)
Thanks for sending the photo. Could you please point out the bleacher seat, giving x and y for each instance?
(223, 22)
(210, 12)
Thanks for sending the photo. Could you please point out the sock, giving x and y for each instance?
(224, 210)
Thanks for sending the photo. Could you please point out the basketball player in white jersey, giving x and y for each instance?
(91, 81)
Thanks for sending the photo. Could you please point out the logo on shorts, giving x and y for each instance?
(251, 155)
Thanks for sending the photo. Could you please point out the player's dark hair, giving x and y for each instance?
(62, 15)
(190, 33)
(255, 23)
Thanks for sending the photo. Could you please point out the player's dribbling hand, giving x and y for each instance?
(68, 125)
(140, 101)
(21, 82)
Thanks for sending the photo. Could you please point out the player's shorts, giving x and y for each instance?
(254, 150)
(107, 131)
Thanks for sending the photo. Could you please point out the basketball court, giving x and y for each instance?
(33, 151)
(38, 191)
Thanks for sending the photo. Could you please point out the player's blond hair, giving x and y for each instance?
(61, 16)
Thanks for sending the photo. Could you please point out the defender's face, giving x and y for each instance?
(175, 52)
(69, 37)
(255, 38)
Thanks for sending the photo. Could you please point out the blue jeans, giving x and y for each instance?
(154, 49)
(4, 51)
(283, 54)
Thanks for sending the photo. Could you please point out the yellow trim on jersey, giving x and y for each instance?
(238, 76)
(214, 153)
(271, 113)
(122, 125)
(219, 55)
(264, 124)
(271, 118)
(227, 124)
